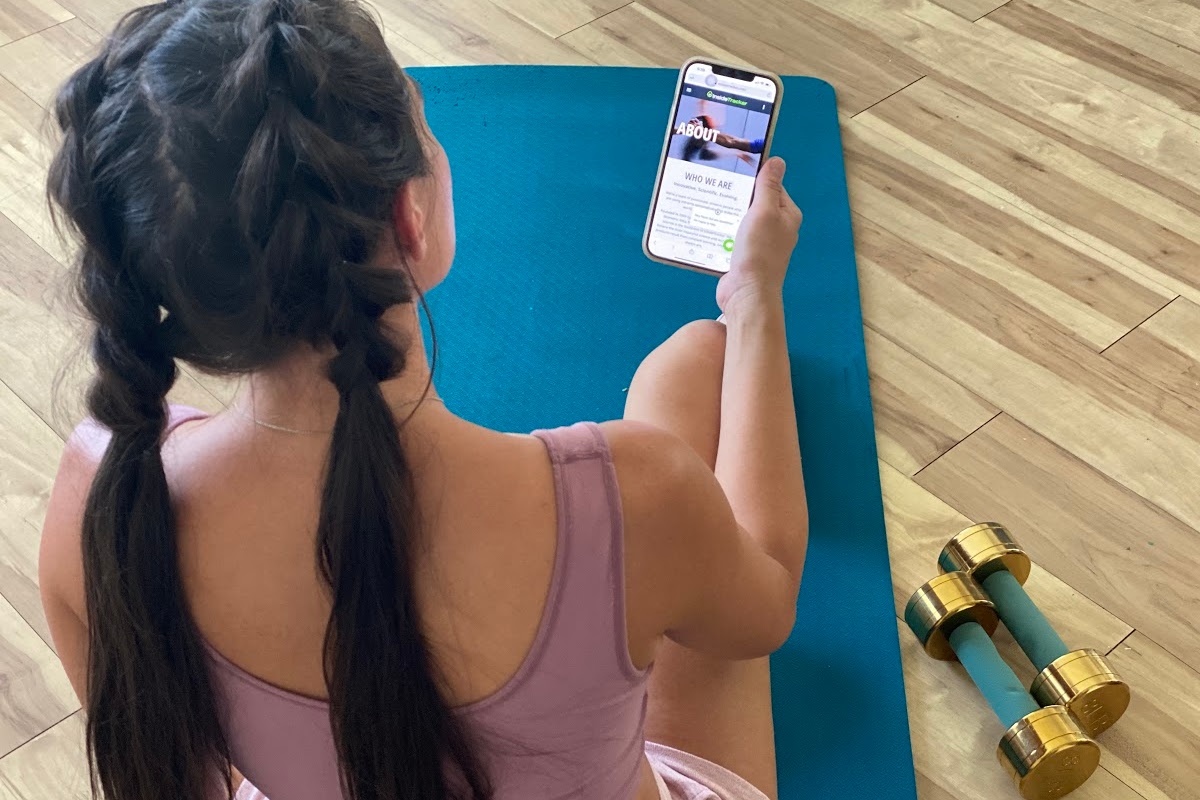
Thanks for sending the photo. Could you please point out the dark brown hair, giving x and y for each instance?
(230, 167)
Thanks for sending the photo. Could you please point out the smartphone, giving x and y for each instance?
(718, 136)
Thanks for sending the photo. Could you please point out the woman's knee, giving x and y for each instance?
(678, 387)
(697, 350)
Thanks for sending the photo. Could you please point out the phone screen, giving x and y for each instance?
(717, 143)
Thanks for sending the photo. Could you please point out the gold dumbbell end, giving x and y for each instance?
(1047, 754)
(983, 549)
(1087, 685)
(944, 603)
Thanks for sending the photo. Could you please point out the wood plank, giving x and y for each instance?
(39, 64)
(919, 524)
(101, 15)
(39, 350)
(25, 150)
(28, 272)
(799, 38)
(955, 734)
(883, 137)
(19, 18)
(1141, 64)
(28, 463)
(971, 10)
(1125, 553)
(50, 766)
(1155, 747)
(980, 336)
(1164, 236)
(951, 217)
(1018, 119)
(919, 412)
(44, 335)
(35, 693)
(929, 789)
(1158, 197)
(1175, 20)
(406, 53)
(28, 209)
(451, 32)
(1026, 76)
(1177, 325)
(19, 541)
(557, 17)
(635, 35)
(471, 32)
(1166, 349)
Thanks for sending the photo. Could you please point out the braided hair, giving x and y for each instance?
(230, 167)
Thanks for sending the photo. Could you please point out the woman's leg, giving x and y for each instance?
(716, 709)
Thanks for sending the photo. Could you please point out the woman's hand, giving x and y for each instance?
(764, 243)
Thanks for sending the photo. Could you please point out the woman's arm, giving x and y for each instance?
(60, 559)
(758, 456)
(691, 570)
(715, 560)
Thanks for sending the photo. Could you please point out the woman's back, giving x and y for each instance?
(524, 554)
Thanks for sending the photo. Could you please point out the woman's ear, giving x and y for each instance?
(408, 219)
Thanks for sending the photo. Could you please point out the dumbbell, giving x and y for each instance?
(1044, 750)
(1082, 680)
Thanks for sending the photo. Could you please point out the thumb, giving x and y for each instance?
(769, 184)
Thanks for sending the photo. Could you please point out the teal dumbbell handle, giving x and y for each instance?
(1024, 620)
(1000, 686)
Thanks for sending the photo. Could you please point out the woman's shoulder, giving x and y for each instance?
(655, 471)
(60, 556)
(59, 562)
(643, 451)
(658, 474)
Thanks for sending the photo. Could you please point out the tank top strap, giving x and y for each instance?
(587, 637)
(582, 441)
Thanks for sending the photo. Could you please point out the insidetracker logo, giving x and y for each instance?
(724, 98)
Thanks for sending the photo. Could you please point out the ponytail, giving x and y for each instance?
(366, 542)
(152, 725)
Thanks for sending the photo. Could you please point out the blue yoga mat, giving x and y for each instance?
(551, 306)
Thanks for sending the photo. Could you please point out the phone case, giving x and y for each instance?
(667, 146)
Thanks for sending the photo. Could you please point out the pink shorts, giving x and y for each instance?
(683, 776)
(680, 776)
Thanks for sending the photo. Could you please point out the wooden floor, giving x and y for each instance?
(1025, 180)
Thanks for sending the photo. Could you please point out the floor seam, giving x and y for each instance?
(893, 94)
(590, 21)
(1140, 324)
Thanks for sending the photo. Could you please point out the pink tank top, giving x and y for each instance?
(568, 724)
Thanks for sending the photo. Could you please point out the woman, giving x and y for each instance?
(337, 587)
